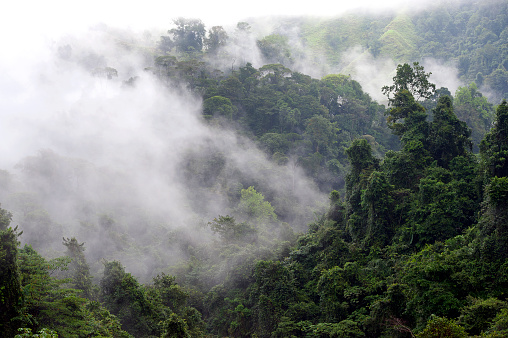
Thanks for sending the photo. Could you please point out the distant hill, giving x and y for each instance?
(469, 35)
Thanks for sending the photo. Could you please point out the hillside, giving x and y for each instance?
(201, 183)
(469, 36)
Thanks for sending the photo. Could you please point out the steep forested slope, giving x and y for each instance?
(469, 35)
(223, 233)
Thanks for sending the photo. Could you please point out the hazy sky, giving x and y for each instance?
(26, 25)
(57, 15)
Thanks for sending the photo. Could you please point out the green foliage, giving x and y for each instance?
(127, 299)
(377, 202)
(188, 34)
(11, 297)
(320, 131)
(499, 326)
(331, 287)
(175, 327)
(43, 333)
(47, 304)
(219, 106)
(494, 151)
(275, 49)
(275, 290)
(103, 323)
(440, 327)
(477, 317)
(217, 39)
(230, 231)
(473, 108)
(471, 34)
(254, 208)
(407, 117)
(343, 329)
(449, 137)
(398, 40)
(437, 212)
(363, 164)
(79, 269)
(409, 242)
(171, 294)
(274, 143)
(494, 147)
(413, 79)
(497, 191)
(438, 279)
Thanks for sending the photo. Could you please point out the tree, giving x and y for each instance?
(321, 132)
(473, 108)
(188, 35)
(441, 327)
(275, 49)
(274, 143)
(175, 327)
(43, 333)
(407, 115)
(378, 204)
(253, 207)
(494, 147)
(363, 164)
(219, 106)
(127, 299)
(79, 268)
(11, 298)
(448, 137)
(230, 231)
(171, 294)
(288, 118)
(165, 66)
(232, 88)
(413, 79)
(48, 304)
(498, 80)
(275, 290)
(274, 74)
(217, 38)
(477, 317)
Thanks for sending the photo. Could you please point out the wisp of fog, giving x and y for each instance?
(121, 166)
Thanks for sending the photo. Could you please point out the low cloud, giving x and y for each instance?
(121, 167)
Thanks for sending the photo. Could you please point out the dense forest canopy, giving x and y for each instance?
(294, 177)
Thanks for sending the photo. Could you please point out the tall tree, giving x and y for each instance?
(254, 208)
(363, 164)
(79, 268)
(448, 137)
(413, 79)
(188, 35)
(494, 147)
(127, 299)
(473, 108)
(494, 152)
(11, 298)
(321, 132)
(217, 38)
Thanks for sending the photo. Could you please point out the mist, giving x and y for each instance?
(125, 166)
(97, 147)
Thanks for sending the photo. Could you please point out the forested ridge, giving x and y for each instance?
(468, 34)
(228, 235)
